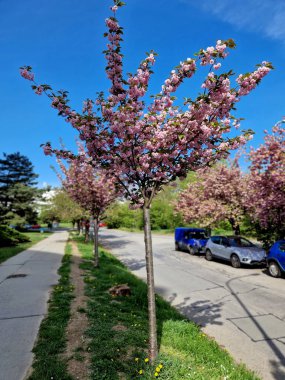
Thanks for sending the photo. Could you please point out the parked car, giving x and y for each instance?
(35, 227)
(276, 259)
(192, 240)
(235, 249)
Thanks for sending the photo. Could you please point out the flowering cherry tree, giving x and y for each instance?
(265, 197)
(217, 195)
(91, 189)
(146, 145)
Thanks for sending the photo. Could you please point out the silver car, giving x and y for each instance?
(235, 249)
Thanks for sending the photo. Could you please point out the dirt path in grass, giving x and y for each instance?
(79, 359)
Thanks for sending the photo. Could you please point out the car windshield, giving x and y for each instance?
(198, 235)
(240, 242)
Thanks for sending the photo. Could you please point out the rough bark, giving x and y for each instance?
(96, 243)
(78, 226)
(237, 230)
(150, 285)
(235, 227)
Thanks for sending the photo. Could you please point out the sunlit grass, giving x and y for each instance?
(35, 237)
(119, 332)
(48, 364)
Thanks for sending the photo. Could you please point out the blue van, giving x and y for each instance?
(192, 240)
(276, 259)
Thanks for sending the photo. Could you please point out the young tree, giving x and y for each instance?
(265, 196)
(145, 147)
(217, 195)
(92, 190)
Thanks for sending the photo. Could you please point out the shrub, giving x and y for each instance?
(10, 237)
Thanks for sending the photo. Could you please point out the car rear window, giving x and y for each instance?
(216, 239)
(195, 235)
(240, 242)
(198, 235)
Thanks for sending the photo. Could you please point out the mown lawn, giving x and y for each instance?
(35, 237)
(118, 332)
(48, 363)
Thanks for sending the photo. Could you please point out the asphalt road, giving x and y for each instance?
(243, 309)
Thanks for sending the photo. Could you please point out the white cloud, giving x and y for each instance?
(266, 17)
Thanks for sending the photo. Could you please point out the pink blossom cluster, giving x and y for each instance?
(59, 103)
(88, 107)
(217, 194)
(91, 189)
(27, 74)
(39, 90)
(185, 70)
(248, 82)
(114, 59)
(209, 55)
(266, 182)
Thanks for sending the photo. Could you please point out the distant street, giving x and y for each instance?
(243, 309)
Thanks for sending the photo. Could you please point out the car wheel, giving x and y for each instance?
(208, 255)
(177, 248)
(191, 250)
(235, 261)
(274, 269)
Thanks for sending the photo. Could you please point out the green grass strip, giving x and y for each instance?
(51, 339)
(119, 332)
(35, 237)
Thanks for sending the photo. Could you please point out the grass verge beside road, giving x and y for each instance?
(35, 237)
(118, 332)
(48, 364)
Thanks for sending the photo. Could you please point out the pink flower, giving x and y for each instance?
(27, 74)
(47, 150)
(39, 90)
(217, 66)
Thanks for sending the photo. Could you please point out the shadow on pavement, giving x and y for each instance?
(278, 367)
(203, 313)
(110, 243)
(133, 265)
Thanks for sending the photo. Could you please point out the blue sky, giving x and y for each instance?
(62, 41)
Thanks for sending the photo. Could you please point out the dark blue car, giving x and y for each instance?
(276, 259)
(192, 240)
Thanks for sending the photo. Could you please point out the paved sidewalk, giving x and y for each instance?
(25, 283)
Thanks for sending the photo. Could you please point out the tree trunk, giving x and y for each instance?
(235, 227)
(150, 286)
(237, 230)
(96, 243)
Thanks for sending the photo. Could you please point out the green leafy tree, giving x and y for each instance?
(62, 208)
(163, 214)
(120, 215)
